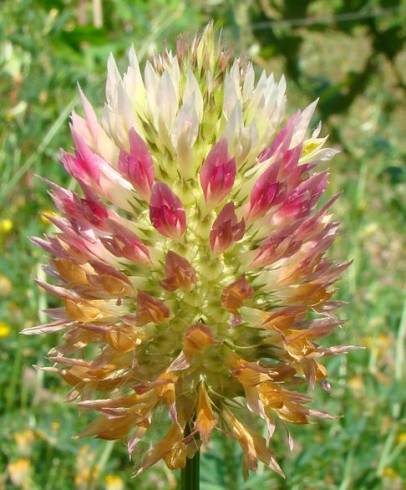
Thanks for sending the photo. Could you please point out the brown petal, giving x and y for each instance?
(150, 309)
(70, 271)
(197, 338)
(169, 447)
(82, 311)
(178, 273)
(233, 295)
(116, 286)
(205, 419)
(245, 439)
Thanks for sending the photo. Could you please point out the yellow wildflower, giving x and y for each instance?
(356, 385)
(113, 482)
(24, 440)
(390, 473)
(402, 438)
(86, 469)
(19, 472)
(4, 330)
(6, 225)
(5, 286)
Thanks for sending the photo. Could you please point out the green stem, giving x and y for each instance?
(190, 476)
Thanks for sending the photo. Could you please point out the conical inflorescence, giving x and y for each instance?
(191, 265)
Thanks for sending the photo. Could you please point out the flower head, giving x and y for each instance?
(193, 258)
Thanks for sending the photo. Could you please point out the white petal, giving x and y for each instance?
(192, 92)
(90, 115)
(124, 108)
(174, 73)
(113, 78)
(166, 99)
(134, 84)
(316, 132)
(249, 81)
(326, 154)
(303, 124)
(151, 86)
(231, 96)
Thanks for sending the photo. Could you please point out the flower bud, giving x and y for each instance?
(226, 229)
(262, 195)
(137, 165)
(150, 309)
(166, 212)
(84, 165)
(178, 273)
(217, 174)
(124, 243)
(233, 295)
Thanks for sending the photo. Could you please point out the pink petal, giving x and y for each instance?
(166, 212)
(124, 243)
(282, 140)
(263, 194)
(90, 116)
(137, 165)
(217, 174)
(226, 229)
(82, 210)
(85, 164)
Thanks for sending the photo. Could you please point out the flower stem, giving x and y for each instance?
(190, 476)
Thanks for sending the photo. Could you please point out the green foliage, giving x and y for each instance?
(348, 53)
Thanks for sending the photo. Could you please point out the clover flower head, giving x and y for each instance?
(192, 264)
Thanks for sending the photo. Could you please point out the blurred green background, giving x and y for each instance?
(350, 54)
